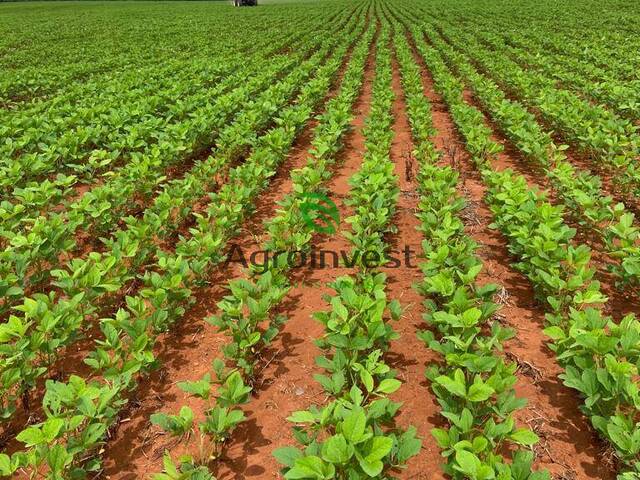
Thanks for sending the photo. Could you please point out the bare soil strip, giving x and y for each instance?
(621, 302)
(136, 450)
(408, 355)
(288, 376)
(569, 448)
(186, 353)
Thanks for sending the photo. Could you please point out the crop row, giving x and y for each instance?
(32, 254)
(599, 76)
(252, 300)
(562, 31)
(580, 190)
(39, 65)
(473, 384)
(80, 137)
(353, 436)
(68, 439)
(614, 140)
(599, 356)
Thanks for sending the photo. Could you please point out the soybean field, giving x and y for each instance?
(332, 239)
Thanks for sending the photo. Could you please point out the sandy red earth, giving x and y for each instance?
(568, 448)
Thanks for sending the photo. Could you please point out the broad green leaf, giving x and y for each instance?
(354, 426)
(441, 436)
(456, 388)
(372, 468)
(479, 392)
(5, 465)
(366, 379)
(31, 436)
(380, 446)
(302, 416)
(287, 455)
(467, 463)
(388, 386)
(311, 467)
(524, 436)
(51, 428)
(336, 450)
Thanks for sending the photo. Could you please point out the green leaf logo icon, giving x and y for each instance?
(320, 213)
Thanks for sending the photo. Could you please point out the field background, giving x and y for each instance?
(498, 140)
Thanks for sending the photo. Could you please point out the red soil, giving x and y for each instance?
(187, 353)
(408, 355)
(569, 447)
(288, 379)
(621, 302)
(285, 384)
